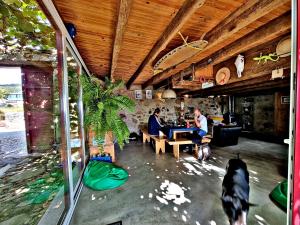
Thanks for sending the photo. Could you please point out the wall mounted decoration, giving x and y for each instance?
(278, 73)
(223, 76)
(239, 64)
(186, 84)
(192, 83)
(71, 29)
(204, 72)
(285, 99)
(148, 94)
(182, 105)
(208, 84)
(179, 54)
(283, 48)
(138, 94)
(272, 57)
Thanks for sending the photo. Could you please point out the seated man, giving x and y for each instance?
(200, 122)
(154, 124)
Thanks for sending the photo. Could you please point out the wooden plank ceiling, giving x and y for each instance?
(146, 20)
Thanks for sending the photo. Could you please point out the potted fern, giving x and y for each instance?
(102, 114)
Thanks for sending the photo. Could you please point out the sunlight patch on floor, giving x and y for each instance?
(173, 192)
(212, 222)
(194, 167)
(259, 217)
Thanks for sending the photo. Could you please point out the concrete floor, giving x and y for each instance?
(141, 201)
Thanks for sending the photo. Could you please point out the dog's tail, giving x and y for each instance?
(252, 204)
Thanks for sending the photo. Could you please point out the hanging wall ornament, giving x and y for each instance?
(239, 64)
(283, 48)
(180, 54)
(223, 76)
(71, 29)
(271, 57)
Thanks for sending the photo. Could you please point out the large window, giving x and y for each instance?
(75, 129)
(42, 151)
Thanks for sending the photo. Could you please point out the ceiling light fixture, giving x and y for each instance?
(169, 93)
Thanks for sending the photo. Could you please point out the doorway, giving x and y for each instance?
(12, 124)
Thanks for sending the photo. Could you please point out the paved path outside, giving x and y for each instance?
(12, 146)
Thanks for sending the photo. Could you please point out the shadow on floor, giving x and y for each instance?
(162, 190)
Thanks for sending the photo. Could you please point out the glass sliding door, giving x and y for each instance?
(34, 175)
(85, 130)
(76, 150)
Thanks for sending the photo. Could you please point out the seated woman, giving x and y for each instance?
(154, 124)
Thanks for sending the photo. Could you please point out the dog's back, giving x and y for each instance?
(235, 194)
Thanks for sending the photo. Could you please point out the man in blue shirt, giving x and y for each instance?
(154, 124)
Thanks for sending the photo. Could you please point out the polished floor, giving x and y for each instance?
(164, 191)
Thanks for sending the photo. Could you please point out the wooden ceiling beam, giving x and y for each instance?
(264, 34)
(124, 11)
(262, 82)
(220, 88)
(265, 85)
(269, 32)
(242, 17)
(188, 8)
(260, 89)
(275, 85)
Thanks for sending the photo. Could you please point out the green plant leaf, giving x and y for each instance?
(4, 10)
(102, 108)
(10, 2)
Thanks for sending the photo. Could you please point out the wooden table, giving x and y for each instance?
(171, 132)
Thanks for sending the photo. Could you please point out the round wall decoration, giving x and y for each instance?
(223, 76)
(283, 48)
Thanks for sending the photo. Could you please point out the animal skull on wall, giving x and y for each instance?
(239, 64)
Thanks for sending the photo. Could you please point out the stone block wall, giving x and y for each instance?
(263, 112)
(169, 109)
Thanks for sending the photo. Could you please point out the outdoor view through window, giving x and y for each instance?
(32, 181)
(12, 124)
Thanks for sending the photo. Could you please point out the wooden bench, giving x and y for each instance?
(176, 143)
(184, 141)
(146, 136)
(160, 142)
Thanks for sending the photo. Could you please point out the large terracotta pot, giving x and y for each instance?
(108, 146)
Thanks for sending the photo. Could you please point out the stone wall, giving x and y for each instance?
(263, 112)
(169, 109)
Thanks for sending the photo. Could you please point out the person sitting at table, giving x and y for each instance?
(200, 122)
(154, 124)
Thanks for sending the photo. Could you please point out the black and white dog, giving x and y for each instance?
(235, 194)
